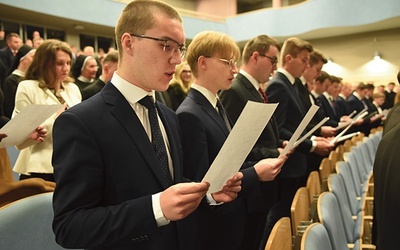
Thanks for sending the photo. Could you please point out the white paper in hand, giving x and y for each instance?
(239, 143)
(23, 124)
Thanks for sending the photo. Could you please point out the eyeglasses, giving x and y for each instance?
(231, 63)
(273, 60)
(169, 46)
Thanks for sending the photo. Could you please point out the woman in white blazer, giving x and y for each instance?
(47, 82)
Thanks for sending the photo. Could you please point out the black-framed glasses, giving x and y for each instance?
(169, 46)
(273, 60)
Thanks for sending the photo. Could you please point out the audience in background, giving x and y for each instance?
(8, 53)
(389, 96)
(110, 65)
(46, 82)
(180, 84)
(84, 71)
(20, 65)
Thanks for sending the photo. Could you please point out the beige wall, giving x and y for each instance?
(352, 56)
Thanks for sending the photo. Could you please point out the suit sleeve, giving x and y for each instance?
(81, 218)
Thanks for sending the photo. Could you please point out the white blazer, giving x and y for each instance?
(36, 158)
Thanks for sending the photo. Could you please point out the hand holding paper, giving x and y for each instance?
(230, 191)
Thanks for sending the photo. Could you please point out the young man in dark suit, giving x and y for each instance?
(110, 65)
(289, 113)
(259, 60)
(118, 158)
(205, 126)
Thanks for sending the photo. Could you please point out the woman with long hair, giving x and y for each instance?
(46, 82)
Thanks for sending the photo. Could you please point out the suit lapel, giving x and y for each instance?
(124, 113)
(254, 95)
(208, 109)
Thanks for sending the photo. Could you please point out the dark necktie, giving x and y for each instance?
(222, 113)
(156, 137)
(334, 105)
(263, 95)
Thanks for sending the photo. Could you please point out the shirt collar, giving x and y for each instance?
(249, 77)
(206, 93)
(131, 92)
(287, 74)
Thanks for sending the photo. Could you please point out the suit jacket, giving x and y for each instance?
(10, 86)
(392, 119)
(6, 56)
(234, 101)
(328, 111)
(342, 107)
(106, 172)
(389, 100)
(92, 89)
(289, 114)
(356, 104)
(387, 200)
(203, 134)
(305, 96)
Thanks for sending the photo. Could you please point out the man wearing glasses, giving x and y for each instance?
(205, 126)
(118, 158)
(260, 57)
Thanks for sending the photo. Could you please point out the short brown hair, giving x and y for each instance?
(211, 43)
(138, 17)
(316, 56)
(261, 44)
(43, 65)
(293, 46)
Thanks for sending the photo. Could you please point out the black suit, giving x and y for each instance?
(358, 105)
(106, 172)
(92, 89)
(289, 114)
(10, 86)
(234, 100)
(389, 100)
(6, 57)
(203, 134)
(329, 111)
(392, 122)
(342, 107)
(387, 199)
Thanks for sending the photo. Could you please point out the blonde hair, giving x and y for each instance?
(209, 44)
(293, 46)
(138, 17)
(177, 77)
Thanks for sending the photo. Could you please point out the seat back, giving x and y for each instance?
(343, 170)
(300, 210)
(26, 224)
(316, 238)
(324, 171)
(281, 236)
(313, 185)
(336, 186)
(351, 161)
(333, 157)
(330, 217)
(6, 174)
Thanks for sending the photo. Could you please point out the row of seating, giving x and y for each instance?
(345, 211)
(354, 208)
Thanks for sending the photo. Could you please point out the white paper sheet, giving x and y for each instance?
(309, 133)
(23, 124)
(348, 136)
(357, 118)
(303, 124)
(239, 143)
